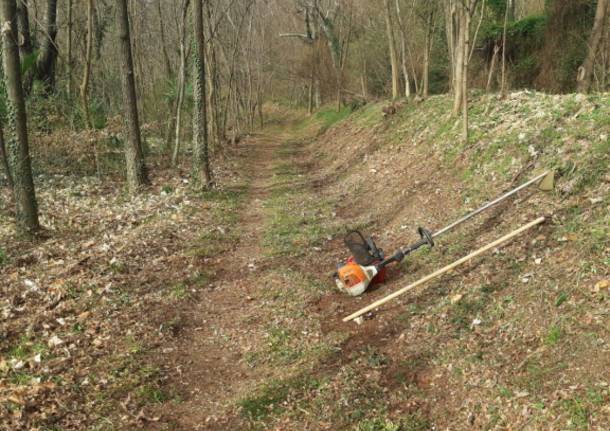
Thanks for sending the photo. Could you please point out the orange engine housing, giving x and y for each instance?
(351, 274)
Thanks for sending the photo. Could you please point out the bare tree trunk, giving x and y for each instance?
(170, 76)
(465, 54)
(136, 15)
(363, 80)
(18, 147)
(69, 50)
(26, 47)
(427, 50)
(181, 82)
(84, 87)
(215, 95)
(342, 62)
(458, 73)
(449, 11)
(503, 85)
(312, 80)
(392, 48)
(585, 71)
(4, 158)
(201, 164)
(492, 67)
(168, 65)
(510, 7)
(45, 63)
(23, 20)
(136, 169)
(250, 78)
(403, 50)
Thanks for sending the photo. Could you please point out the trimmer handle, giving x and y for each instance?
(426, 239)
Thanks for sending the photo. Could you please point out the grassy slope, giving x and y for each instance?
(538, 358)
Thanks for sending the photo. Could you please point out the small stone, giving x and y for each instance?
(55, 341)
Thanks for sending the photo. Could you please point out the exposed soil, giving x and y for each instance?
(209, 371)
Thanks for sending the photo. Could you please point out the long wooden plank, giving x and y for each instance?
(443, 270)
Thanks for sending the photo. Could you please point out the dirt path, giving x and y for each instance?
(209, 364)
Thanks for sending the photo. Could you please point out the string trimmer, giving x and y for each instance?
(367, 263)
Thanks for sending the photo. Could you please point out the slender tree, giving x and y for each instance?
(45, 63)
(169, 71)
(201, 164)
(503, 89)
(4, 158)
(403, 49)
(23, 21)
(427, 49)
(136, 169)
(17, 132)
(585, 71)
(84, 87)
(69, 49)
(181, 79)
(392, 48)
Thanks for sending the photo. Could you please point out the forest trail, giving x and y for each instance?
(208, 364)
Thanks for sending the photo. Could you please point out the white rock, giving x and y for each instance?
(17, 364)
(55, 341)
(30, 285)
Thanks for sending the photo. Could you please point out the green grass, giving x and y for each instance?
(268, 399)
(26, 347)
(553, 335)
(179, 291)
(463, 312)
(224, 233)
(413, 422)
(153, 394)
(295, 218)
(578, 412)
(329, 116)
(561, 298)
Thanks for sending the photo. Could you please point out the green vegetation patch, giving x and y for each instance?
(296, 219)
(329, 116)
(413, 422)
(271, 397)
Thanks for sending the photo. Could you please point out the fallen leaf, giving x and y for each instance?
(601, 284)
(456, 298)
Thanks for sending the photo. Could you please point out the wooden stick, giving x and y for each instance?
(443, 270)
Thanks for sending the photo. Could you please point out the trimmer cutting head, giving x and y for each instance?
(364, 250)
